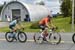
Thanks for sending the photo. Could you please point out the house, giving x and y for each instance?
(24, 11)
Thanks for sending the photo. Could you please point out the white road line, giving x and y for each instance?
(33, 41)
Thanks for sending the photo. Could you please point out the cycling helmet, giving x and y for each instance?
(16, 17)
(49, 16)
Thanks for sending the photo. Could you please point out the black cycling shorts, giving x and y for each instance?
(11, 26)
(42, 27)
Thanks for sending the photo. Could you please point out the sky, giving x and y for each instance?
(53, 5)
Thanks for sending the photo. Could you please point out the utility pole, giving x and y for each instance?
(73, 16)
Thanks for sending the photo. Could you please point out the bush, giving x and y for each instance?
(35, 25)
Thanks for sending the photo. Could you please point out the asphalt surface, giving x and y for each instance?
(66, 43)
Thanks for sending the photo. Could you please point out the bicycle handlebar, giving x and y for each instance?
(54, 28)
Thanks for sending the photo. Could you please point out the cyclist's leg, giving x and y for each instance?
(46, 32)
(42, 28)
(11, 28)
(14, 33)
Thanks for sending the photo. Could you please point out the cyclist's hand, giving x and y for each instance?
(22, 28)
(56, 27)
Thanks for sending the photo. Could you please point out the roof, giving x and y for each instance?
(33, 10)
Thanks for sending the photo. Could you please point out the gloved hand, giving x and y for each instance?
(22, 28)
(56, 27)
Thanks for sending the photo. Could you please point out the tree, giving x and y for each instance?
(66, 8)
(40, 2)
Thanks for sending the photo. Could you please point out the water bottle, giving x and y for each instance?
(50, 30)
(40, 30)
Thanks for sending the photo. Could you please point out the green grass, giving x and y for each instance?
(26, 28)
(61, 23)
(4, 29)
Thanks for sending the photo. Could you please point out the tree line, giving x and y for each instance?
(66, 9)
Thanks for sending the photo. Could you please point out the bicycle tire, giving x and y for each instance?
(37, 38)
(73, 38)
(6, 37)
(25, 37)
(56, 42)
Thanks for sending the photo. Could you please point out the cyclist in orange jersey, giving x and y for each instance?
(44, 23)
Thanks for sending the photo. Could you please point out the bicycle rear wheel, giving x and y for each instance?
(9, 37)
(22, 37)
(73, 38)
(37, 38)
(54, 38)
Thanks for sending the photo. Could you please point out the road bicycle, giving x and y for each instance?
(16, 35)
(53, 37)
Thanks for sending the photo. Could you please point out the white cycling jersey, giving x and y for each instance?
(14, 22)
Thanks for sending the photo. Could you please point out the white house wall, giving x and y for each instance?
(35, 12)
(8, 11)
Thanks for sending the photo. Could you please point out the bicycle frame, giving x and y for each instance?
(17, 30)
(50, 30)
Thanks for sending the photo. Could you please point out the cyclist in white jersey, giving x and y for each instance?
(15, 24)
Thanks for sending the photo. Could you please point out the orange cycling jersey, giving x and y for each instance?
(44, 21)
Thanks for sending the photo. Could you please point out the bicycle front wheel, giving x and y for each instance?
(9, 37)
(22, 37)
(37, 38)
(73, 38)
(54, 38)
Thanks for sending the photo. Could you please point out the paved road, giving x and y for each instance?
(66, 44)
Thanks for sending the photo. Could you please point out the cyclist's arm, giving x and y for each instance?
(51, 23)
(19, 25)
(46, 23)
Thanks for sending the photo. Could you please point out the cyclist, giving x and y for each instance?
(44, 23)
(15, 24)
